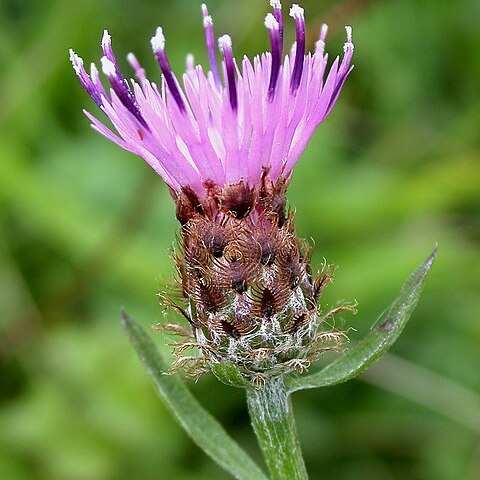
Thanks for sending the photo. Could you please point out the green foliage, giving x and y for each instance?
(269, 405)
(229, 374)
(204, 430)
(358, 357)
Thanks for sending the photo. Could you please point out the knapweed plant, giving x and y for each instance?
(225, 142)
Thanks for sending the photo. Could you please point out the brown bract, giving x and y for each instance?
(246, 280)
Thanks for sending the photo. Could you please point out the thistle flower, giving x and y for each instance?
(225, 142)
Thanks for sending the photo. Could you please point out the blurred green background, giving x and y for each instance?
(85, 229)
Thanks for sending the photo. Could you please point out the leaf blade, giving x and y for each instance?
(383, 335)
(202, 428)
(228, 373)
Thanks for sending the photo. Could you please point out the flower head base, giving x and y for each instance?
(259, 118)
(226, 143)
(247, 289)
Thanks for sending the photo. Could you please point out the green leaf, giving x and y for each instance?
(382, 336)
(203, 429)
(229, 374)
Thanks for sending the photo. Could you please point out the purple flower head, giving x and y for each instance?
(237, 123)
(225, 141)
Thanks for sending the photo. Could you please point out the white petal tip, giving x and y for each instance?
(296, 11)
(348, 29)
(190, 61)
(349, 44)
(271, 22)
(225, 41)
(135, 64)
(207, 21)
(106, 39)
(323, 31)
(93, 70)
(74, 58)
(275, 4)
(158, 41)
(77, 61)
(320, 46)
(108, 67)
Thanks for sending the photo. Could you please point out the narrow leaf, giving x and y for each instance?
(382, 336)
(229, 374)
(203, 429)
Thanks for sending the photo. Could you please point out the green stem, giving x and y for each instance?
(272, 418)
